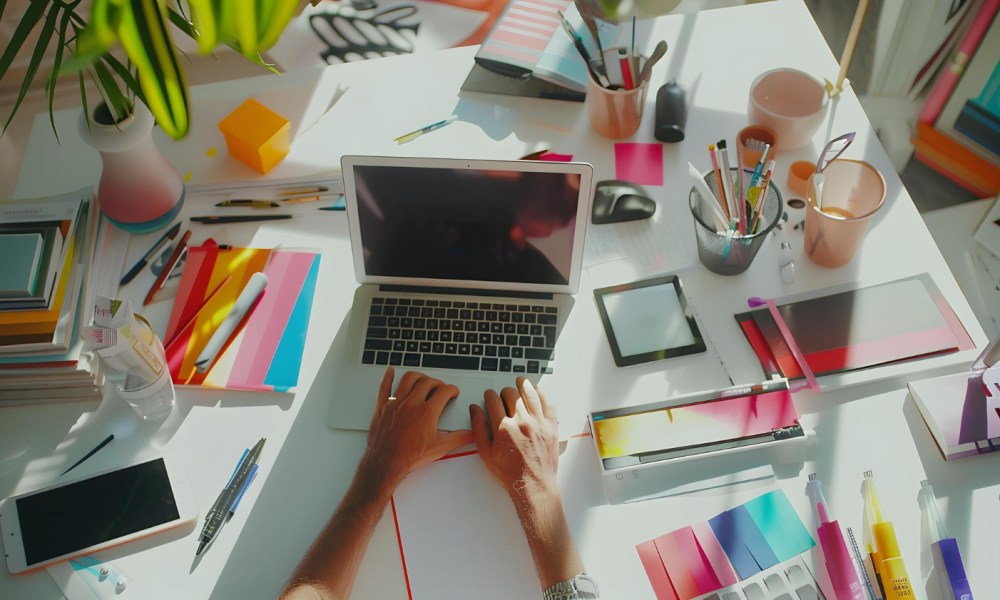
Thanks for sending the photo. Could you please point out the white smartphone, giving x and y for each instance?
(86, 515)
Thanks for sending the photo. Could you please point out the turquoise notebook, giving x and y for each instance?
(22, 254)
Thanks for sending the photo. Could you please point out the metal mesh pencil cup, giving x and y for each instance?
(712, 246)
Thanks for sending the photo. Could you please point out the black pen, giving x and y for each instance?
(219, 220)
(247, 203)
(592, 65)
(230, 494)
(106, 441)
(139, 266)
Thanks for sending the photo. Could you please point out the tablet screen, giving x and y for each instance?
(648, 320)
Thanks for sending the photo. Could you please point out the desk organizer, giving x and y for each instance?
(256, 135)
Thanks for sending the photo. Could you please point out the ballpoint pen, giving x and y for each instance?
(244, 302)
(846, 584)
(429, 128)
(139, 266)
(229, 497)
(593, 65)
(882, 547)
(247, 203)
(174, 257)
(223, 219)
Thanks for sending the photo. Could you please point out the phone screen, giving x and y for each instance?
(92, 511)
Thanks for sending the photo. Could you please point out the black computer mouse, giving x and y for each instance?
(617, 201)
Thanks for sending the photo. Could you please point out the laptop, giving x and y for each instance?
(467, 271)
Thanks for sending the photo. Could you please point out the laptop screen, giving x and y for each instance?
(471, 224)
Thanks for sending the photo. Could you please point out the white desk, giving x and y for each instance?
(307, 466)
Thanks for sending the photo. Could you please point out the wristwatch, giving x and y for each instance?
(581, 587)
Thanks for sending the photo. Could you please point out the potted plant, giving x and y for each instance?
(125, 48)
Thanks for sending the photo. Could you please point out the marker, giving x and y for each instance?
(626, 65)
(244, 302)
(221, 220)
(944, 550)
(409, 137)
(846, 584)
(882, 547)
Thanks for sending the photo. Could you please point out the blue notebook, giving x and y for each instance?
(22, 254)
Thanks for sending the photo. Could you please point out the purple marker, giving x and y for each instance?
(947, 558)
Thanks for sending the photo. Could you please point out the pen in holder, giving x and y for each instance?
(617, 112)
(727, 252)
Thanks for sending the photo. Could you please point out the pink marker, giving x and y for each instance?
(846, 584)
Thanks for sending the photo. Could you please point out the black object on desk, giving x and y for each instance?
(671, 113)
(617, 201)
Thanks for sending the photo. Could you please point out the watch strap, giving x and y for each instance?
(580, 587)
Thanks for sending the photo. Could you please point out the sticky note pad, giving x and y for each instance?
(698, 564)
(714, 553)
(677, 569)
(639, 163)
(780, 525)
(736, 549)
(256, 135)
(655, 570)
(749, 533)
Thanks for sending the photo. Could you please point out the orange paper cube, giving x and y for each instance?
(256, 135)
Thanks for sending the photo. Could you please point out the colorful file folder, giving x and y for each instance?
(266, 351)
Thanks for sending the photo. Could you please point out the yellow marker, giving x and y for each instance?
(882, 547)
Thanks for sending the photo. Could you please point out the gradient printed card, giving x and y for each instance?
(855, 329)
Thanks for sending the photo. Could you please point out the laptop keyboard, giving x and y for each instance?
(475, 336)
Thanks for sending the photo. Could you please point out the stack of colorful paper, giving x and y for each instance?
(45, 284)
(265, 353)
(729, 548)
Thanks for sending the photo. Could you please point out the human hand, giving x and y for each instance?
(519, 443)
(404, 435)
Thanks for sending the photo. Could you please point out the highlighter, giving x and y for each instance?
(947, 558)
(882, 547)
(843, 577)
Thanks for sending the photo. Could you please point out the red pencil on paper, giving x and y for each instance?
(628, 82)
(174, 257)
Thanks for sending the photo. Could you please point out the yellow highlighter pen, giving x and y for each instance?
(882, 547)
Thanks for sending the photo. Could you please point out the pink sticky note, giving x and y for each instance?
(714, 553)
(702, 571)
(677, 569)
(655, 570)
(554, 157)
(639, 163)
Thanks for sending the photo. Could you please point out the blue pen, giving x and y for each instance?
(415, 134)
(755, 178)
(253, 474)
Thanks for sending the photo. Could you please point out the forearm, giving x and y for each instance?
(329, 567)
(552, 548)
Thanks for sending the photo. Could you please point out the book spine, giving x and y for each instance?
(938, 97)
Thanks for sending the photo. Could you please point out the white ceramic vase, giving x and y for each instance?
(140, 191)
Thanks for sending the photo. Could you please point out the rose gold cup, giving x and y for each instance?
(616, 114)
(790, 102)
(853, 191)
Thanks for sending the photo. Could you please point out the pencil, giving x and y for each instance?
(174, 257)
(718, 181)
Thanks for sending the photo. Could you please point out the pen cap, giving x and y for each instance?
(671, 113)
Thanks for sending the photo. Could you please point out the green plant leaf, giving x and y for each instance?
(126, 76)
(144, 36)
(50, 87)
(118, 104)
(204, 20)
(245, 25)
(187, 28)
(83, 98)
(44, 37)
(3, 5)
(276, 22)
(31, 18)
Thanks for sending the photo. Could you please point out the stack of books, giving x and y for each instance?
(48, 246)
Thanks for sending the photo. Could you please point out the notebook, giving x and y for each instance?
(467, 269)
(22, 254)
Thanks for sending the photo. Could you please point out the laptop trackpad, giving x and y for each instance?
(456, 414)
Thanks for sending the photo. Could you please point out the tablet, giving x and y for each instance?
(648, 320)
